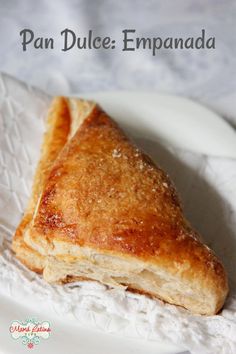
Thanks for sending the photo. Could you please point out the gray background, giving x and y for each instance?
(208, 76)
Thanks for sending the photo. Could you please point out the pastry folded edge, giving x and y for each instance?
(64, 118)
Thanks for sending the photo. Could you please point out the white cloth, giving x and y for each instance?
(206, 185)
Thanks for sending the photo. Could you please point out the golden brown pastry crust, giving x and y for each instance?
(55, 138)
(99, 191)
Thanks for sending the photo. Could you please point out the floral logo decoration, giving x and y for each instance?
(30, 331)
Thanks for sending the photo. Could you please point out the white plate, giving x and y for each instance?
(175, 122)
(172, 120)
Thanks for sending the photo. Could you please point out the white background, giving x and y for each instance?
(208, 76)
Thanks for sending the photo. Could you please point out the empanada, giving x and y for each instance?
(102, 210)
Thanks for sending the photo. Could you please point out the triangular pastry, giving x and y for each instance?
(100, 209)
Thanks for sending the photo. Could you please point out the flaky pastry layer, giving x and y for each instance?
(101, 210)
